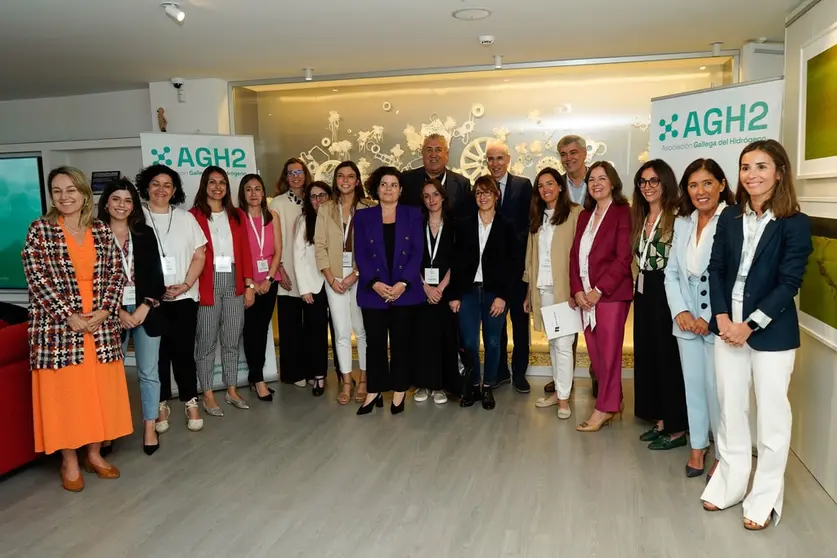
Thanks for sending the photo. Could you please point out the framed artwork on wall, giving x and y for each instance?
(817, 153)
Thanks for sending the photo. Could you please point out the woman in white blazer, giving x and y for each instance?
(310, 282)
(704, 194)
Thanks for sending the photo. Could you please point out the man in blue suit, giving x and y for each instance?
(515, 201)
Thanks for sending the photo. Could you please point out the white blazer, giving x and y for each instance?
(309, 279)
(678, 291)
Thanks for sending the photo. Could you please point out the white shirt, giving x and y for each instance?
(178, 236)
(697, 250)
(544, 246)
(288, 212)
(753, 230)
(310, 278)
(586, 244)
(484, 232)
(221, 233)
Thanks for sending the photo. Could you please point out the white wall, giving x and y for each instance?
(206, 109)
(120, 114)
(813, 391)
(762, 61)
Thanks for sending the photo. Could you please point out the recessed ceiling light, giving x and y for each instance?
(173, 10)
(703, 67)
(335, 90)
(471, 14)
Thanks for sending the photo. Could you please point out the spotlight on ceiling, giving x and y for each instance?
(173, 10)
(498, 61)
(309, 74)
(471, 14)
(716, 49)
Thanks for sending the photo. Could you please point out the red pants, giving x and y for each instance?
(604, 344)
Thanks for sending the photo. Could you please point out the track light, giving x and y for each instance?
(716, 49)
(498, 61)
(173, 10)
(309, 74)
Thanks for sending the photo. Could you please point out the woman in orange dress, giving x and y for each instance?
(79, 391)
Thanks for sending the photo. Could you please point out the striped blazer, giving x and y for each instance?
(54, 296)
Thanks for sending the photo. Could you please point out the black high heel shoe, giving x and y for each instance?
(319, 387)
(398, 409)
(150, 449)
(268, 397)
(377, 402)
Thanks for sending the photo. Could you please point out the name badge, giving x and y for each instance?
(262, 266)
(223, 264)
(347, 260)
(640, 283)
(168, 264)
(129, 295)
(431, 275)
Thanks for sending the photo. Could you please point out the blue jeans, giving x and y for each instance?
(473, 311)
(146, 350)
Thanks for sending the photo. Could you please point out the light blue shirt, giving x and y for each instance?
(577, 193)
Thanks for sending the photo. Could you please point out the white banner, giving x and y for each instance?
(191, 154)
(715, 124)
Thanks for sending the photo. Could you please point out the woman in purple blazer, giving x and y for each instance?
(388, 249)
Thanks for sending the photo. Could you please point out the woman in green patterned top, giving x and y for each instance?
(659, 393)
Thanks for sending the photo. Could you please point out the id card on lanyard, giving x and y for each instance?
(168, 263)
(129, 293)
(431, 274)
(262, 265)
(347, 256)
(643, 254)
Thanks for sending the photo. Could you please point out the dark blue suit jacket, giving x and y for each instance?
(461, 198)
(774, 278)
(515, 207)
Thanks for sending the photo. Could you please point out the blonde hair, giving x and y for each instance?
(82, 185)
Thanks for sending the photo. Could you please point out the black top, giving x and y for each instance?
(499, 259)
(389, 243)
(444, 255)
(461, 197)
(148, 276)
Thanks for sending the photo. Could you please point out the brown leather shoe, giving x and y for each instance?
(101, 472)
(75, 485)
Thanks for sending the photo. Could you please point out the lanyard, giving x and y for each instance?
(156, 232)
(438, 241)
(127, 261)
(345, 226)
(643, 249)
(259, 239)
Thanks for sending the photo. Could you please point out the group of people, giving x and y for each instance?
(414, 265)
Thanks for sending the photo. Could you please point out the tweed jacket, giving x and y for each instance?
(54, 296)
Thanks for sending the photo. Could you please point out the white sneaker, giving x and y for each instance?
(420, 395)
(301, 383)
(162, 426)
(193, 424)
(439, 397)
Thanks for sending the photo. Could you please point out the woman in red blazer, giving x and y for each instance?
(226, 287)
(602, 286)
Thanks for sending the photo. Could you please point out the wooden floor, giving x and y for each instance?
(306, 477)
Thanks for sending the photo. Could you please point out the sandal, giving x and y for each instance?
(751, 525)
(360, 392)
(345, 395)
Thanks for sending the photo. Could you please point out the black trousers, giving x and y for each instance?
(520, 336)
(437, 338)
(398, 323)
(303, 337)
(256, 322)
(177, 349)
(659, 391)
(333, 348)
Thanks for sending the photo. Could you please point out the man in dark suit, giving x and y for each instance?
(515, 201)
(434, 154)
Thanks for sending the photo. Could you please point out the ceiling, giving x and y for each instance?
(50, 48)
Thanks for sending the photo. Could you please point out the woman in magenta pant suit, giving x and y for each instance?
(602, 286)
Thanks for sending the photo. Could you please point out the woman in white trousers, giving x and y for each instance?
(334, 242)
(758, 259)
(704, 194)
(553, 219)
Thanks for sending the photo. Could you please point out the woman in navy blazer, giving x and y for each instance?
(758, 259)
(602, 285)
(704, 194)
(388, 249)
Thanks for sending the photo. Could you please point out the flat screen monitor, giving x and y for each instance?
(21, 202)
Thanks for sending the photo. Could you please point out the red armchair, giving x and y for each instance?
(17, 437)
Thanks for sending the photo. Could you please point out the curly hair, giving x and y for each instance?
(147, 174)
(374, 180)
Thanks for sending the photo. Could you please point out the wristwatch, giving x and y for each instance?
(271, 280)
(753, 325)
(251, 286)
(357, 273)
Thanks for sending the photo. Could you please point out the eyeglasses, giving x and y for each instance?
(482, 194)
(318, 197)
(651, 183)
(296, 172)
